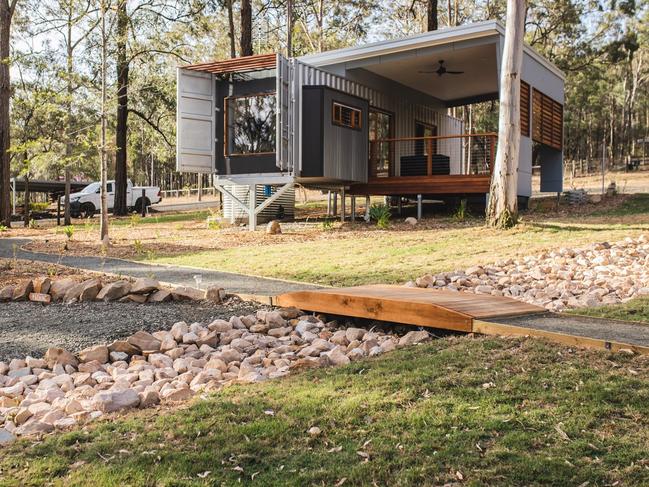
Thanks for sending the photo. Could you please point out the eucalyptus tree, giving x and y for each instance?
(7, 10)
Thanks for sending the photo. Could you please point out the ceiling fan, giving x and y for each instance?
(442, 70)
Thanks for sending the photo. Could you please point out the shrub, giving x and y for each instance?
(328, 224)
(69, 231)
(139, 248)
(4, 228)
(461, 212)
(39, 207)
(380, 213)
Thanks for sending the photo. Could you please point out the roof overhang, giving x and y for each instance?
(439, 37)
(236, 65)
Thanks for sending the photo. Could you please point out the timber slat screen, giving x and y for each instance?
(547, 120)
(525, 109)
(237, 65)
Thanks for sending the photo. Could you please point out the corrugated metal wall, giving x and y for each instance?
(404, 113)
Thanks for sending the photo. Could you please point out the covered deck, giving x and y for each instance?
(433, 166)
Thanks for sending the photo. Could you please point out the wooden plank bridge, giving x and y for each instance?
(440, 309)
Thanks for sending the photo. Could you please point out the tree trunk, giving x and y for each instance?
(6, 14)
(246, 28)
(26, 201)
(68, 142)
(231, 34)
(121, 126)
(103, 226)
(433, 23)
(289, 28)
(502, 211)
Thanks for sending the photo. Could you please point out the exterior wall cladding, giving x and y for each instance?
(329, 150)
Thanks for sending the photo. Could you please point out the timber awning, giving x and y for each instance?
(237, 65)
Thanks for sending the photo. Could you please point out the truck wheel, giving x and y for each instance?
(87, 210)
(138, 204)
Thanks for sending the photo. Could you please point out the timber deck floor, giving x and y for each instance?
(469, 313)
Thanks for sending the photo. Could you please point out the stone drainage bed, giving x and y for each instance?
(30, 329)
(64, 389)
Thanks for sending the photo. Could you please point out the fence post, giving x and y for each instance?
(429, 159)
(143, 205)
(58, 211)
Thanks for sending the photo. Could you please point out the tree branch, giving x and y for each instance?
(151, 124)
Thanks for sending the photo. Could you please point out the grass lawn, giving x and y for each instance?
(634, 310)
(374, 256)
(457, 411)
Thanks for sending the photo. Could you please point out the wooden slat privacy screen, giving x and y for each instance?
(547, 120)
(525, 109)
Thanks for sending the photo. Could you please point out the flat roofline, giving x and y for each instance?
(443, 36)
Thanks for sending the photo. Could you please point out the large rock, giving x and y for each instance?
(144, 341)
(6, 293)
(84, 291)
(183, 293)
(273, 228)
(60, 356)
(42, 285)
(160, 296)
(413, 337)
(336, 357)
(215, 294)
(144, 285)
(40, 298)
(114, 290)
(98, 353)
(22, 290)
(124, 347)
(6, 437)
(60, 287)
(111, 401)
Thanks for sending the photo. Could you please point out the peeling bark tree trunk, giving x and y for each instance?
(121, 126)
(7, 9)
(433, 23)
(502, 211)
(246, 28)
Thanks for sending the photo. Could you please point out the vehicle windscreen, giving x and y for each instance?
(91, 188)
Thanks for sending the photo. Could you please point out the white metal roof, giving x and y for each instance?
(443, 36)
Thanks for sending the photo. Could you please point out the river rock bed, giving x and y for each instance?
(61, 390)
(599, 274)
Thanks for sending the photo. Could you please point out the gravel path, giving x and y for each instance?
(29, 329)
(182, 276)
(585, 326)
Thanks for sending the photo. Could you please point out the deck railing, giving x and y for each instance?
(430, 156)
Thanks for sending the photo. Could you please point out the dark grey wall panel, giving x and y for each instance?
(331, 151)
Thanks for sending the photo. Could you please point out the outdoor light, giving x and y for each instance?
(198, 278)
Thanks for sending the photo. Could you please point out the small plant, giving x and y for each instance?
(213, 223)
(32, 224)
(51, 271)
(135, 220)
(139, 248)
(4, 228)
(461, 212)
(328, 224)
(380, 213)
(38, 206)
(69, 231)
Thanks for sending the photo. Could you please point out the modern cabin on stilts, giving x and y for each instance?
(366, 120)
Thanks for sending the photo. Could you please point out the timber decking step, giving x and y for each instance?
(434, 308)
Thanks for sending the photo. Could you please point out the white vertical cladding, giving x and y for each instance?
(453, 148)
(195, 122)
(283, 109)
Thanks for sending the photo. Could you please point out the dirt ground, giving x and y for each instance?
(13, 271)
(135, 238)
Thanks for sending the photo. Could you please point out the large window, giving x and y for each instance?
(250, 124)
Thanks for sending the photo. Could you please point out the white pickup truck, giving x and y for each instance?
(85, 203)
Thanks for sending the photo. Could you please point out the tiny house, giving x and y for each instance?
(368, 120)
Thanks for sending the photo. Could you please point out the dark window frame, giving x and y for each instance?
(356, 116)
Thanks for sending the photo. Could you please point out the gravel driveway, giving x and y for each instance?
(30, 329)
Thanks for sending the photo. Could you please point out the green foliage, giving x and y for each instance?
(69, 231)
(139, 248)
(3, 228)
(39, 206)
(328, 224)
(32, 224)
(135, 219)
(380, 213)
(461, 212)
